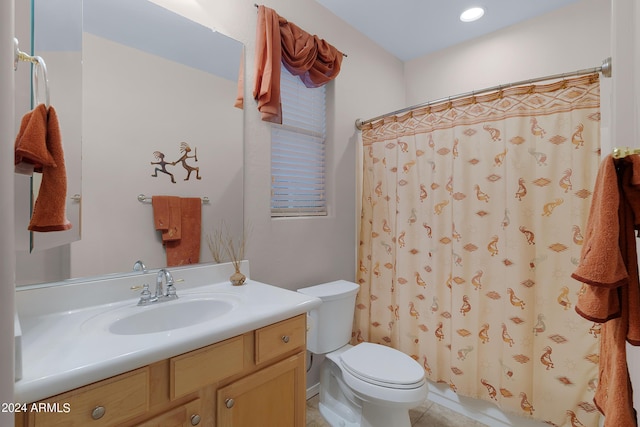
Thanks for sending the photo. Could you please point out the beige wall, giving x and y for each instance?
(294, 253)
(573, 38)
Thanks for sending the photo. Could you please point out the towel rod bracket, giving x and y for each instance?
(16, 54)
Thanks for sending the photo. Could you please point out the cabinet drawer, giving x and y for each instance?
(280, 338)
(196, 369)
(106, 403)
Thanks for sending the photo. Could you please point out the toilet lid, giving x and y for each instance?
(381, 365)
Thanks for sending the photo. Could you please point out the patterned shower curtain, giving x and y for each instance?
(472, 222)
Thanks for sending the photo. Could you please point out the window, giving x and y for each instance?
(298, 151)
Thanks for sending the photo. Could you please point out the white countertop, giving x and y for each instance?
(66, 348)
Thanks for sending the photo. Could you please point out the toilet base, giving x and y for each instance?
(372, 416)
(338, 406)
(378, 416)
(335, 420)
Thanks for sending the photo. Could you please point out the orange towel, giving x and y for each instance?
(31, 142)
(174, 232)
(167, 216)
(186, 250)
(608, 270)
(160, 206)
(601, 264)
(39, 143)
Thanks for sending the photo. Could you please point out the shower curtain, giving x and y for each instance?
(472, 221)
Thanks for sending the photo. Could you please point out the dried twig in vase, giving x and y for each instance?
(223, 241)
(236, 255)
(216, 245)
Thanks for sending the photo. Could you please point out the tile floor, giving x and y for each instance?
(428, 414)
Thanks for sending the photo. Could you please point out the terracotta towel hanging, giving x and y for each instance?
(39, 142)
(167, 216)
(31, 142)
(179, 221)
(609, 294)
(186, 250)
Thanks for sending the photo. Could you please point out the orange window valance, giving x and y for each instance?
(314, 60)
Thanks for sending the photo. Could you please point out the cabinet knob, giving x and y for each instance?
(195, 419)
(229, 403)
(98, 412)
(285, 339)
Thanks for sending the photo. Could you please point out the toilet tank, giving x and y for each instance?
(329, 326)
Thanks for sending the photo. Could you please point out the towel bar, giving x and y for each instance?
(39, 65)
(144, 199)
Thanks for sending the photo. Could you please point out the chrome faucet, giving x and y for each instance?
(146, 297)
(171, 289)
(139, 266)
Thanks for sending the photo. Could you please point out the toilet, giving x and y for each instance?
(366, 385)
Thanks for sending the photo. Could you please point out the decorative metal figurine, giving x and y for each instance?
(185, 149)
(163, 165)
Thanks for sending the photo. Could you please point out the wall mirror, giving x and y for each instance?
(154, 87)
(56, 36)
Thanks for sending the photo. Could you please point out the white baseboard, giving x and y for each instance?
(485, 412)
(313, 390)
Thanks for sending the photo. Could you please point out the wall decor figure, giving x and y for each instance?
(185, 149)
(163, 165)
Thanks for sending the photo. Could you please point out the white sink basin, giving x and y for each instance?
(170, 315)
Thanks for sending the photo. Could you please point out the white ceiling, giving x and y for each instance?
(412, 28)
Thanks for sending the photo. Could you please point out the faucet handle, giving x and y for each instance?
(145, 295)
(171, 291)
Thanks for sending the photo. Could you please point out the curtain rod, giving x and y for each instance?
(257, 6)
(605, 69)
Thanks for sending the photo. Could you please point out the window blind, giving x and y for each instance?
(298, 151)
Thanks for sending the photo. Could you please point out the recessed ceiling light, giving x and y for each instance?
(472, 14)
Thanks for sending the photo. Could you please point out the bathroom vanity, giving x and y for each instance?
(243, 367)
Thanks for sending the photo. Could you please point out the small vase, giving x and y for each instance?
(237, 278)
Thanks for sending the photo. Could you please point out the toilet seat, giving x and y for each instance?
(382, 366)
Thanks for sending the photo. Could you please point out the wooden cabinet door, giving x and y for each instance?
(186, 415)
(273, 396)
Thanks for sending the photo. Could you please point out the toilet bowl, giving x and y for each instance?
(366, 385)
(376, 386)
